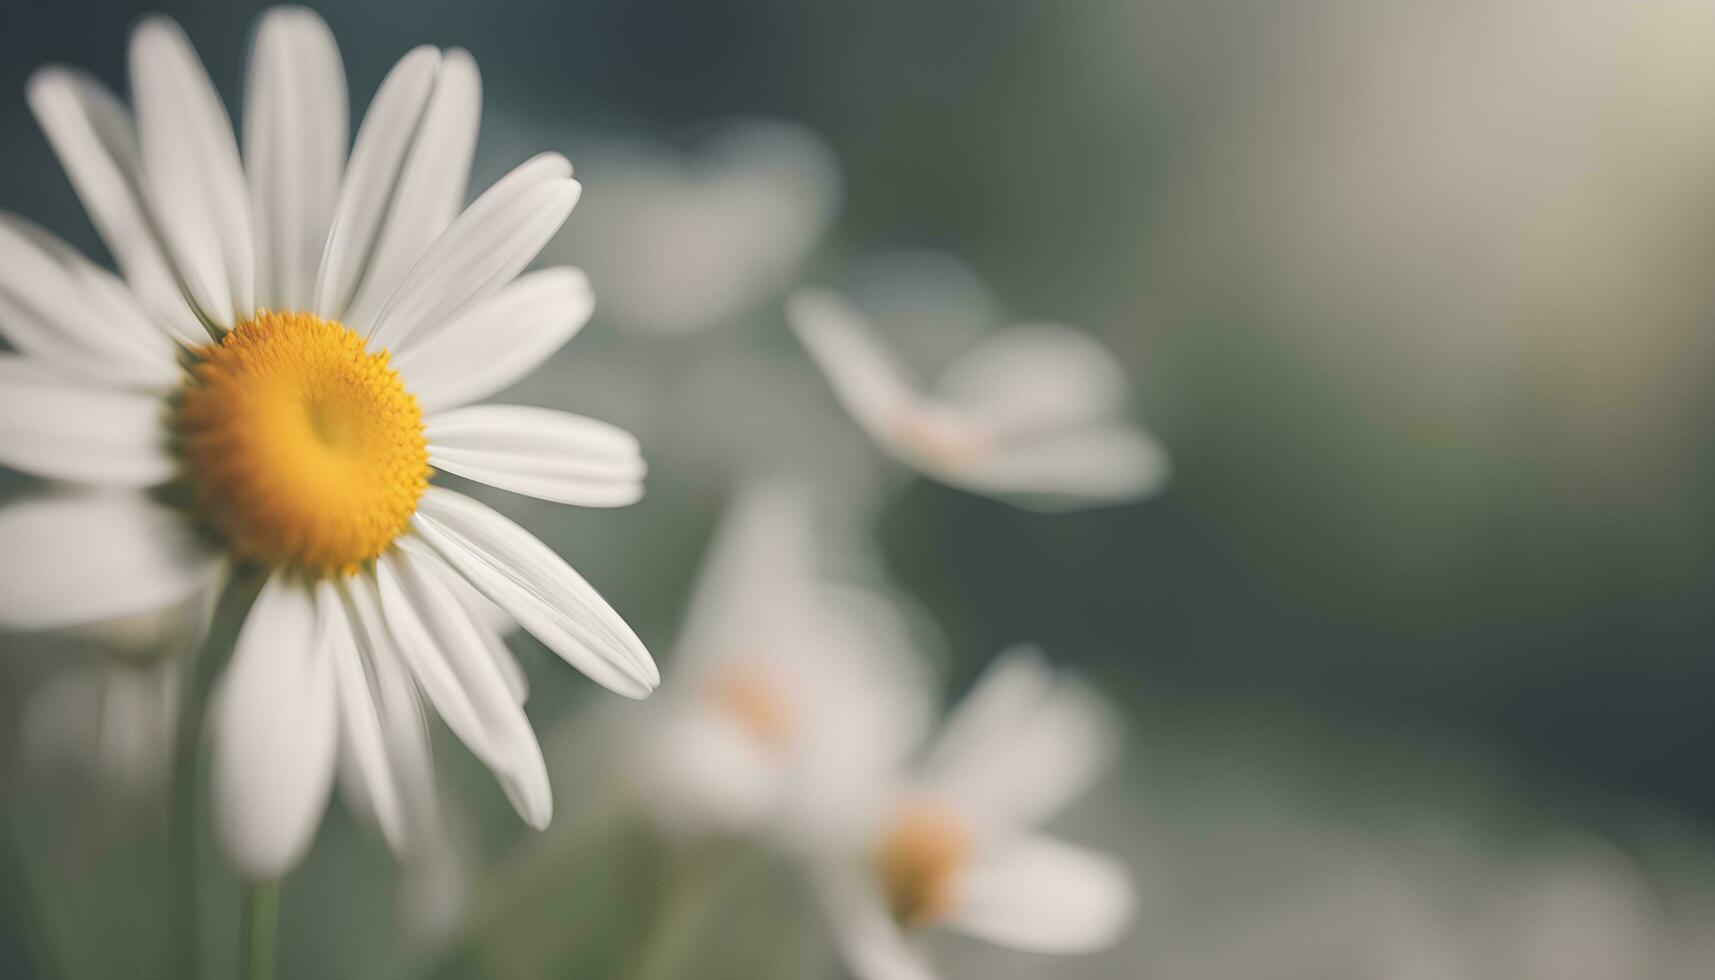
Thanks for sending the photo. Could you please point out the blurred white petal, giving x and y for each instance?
(64, 430)
(537, 588)
(865, 933)
(865, 377)
(377, 157)
(541, 452)
(72, 560)
(1039, 378)
(275, 725)
(762, 557)
(1023, 743)
(96, 142)
(193, 177)
(498, 340)
(294, 149)
(684, 242)
(1041, 894)
(486, 248)
(1077, 468)
(701, 772)
(58, 306)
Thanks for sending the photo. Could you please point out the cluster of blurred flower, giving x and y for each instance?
(801, 728)
(250, 414)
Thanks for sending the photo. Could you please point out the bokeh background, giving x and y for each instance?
(1414, 653)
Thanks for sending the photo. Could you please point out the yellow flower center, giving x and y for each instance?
(919, 858)
(303, 449)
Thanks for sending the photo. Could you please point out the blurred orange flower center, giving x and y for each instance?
(302, 448)
(919, 858)
(940, 438)
(754, 699)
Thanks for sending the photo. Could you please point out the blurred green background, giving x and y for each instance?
(1418, 296)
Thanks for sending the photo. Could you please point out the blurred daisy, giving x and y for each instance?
(953, 845)
(786, 682)
(105, 728)
(681, 242)
(287, 357)
(1032, 414)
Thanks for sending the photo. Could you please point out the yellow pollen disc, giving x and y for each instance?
(919, 858)
(303, 449)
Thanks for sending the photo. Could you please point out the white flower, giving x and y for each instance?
(681, 242)
(243, 366)
(1033, 414)
(786, 682)
(954, 845)
(108, 726)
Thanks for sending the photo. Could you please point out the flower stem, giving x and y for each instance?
(215, 648)
(261, 925)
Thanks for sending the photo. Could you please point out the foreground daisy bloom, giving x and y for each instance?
(288, 359)
(1033, 414)
(786, 682)
(953, 845)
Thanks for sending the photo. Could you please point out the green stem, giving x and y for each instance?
(683, 906)
(216, 648)
(261, 926)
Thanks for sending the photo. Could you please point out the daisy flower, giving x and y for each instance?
(1033, 414)
(289, 357)
(953, 845)
(786, 682)
(686, 241)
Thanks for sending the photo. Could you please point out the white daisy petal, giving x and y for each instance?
(538, 589)
(74, 560)
(1036, 378)
(63, 430)
(377, 157)
(486, 248)
(193, 176)
(541, 452)
(446, 653)
(498, 340)
(868, 938)
(406, 773)
(494, 625)
(1023, 744)
(431, 185)
(1041, 894)
(93, 136)
(1105, 465)
(57, 306)
(363, 739)
(295, 119)
(511, 670)
(866, 378)
(275, 728)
